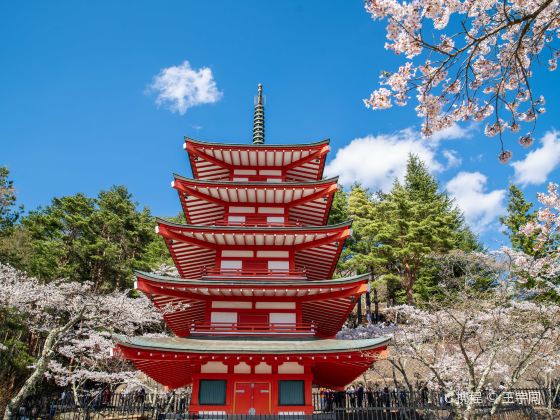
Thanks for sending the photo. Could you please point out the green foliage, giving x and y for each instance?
(396, 233)
(9, 213)
(12, 240)
(15, 357)
(92, 239)
(339, 207)
(518, 214)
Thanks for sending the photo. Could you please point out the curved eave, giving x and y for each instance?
(240, 346)
(246, 184)
(236, 282)
(174, 362)
(267, 230)
(305, 202)
(193, 248)
(218, 161)
(256, 146)
(326, 303)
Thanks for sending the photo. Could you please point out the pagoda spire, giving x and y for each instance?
(258, 120)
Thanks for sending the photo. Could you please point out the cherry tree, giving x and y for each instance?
(473, 337)
(543, 265)
(85, 354)
(75, 325)
(468, 60)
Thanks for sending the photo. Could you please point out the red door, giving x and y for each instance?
(252, 398)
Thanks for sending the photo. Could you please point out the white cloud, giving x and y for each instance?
(538, 164)
(453, 159)
(481, 208)
(375, 161)
(452, 132)
(181, 87)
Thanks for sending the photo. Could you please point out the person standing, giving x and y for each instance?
(370, 397)
(351, 396)
(360, 395)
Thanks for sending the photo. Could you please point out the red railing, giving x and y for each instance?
(263, 272)
(228, 328)
(261, 178)
(256, 223)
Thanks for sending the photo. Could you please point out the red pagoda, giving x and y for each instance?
(255, 310)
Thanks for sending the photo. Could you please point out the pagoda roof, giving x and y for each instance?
(218, 160)
(204, 202)
(204, 143)
(193, 247)
(241, 282)
(250, 346)
(172, 361)
(325, 304)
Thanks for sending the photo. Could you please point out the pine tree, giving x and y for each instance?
(339, 207)
(97, 239)
(396, 233)
(518, 214)
(361, 209)
(9, 213)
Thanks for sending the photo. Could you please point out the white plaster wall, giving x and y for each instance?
(244, 171)
(236, 209)
(237, 253)
(222, 304)
(242, 368)
(270, 172)
(290, 368)
(213, 367)
(230, 317)
(275, 305)
(263, 368)
(279, 265)
(231, 264)
(273, 254)
(271, 210)
(282, 318)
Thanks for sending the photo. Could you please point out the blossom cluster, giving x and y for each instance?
(468, 60)
(472, 340)
(83, 352)
(543, 265)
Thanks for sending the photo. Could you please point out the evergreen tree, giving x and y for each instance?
(396, 233)
(518, 214)
(93, 239)
(339, 207)
(9, 213)
(357, 256)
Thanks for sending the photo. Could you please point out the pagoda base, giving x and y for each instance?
(246, 376)
(253, 394)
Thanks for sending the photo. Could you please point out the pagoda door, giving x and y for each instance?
(252, 398)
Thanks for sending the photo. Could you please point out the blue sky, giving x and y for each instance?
(76, 113)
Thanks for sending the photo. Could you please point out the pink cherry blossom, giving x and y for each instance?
(478, 68)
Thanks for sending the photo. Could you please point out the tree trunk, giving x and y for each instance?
(408, 282)
(375, 305)
(41, 366)
(359, 311)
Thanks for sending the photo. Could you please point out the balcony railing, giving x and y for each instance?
(272, 179)
(256, 223)
(252, 272)
(228, 328)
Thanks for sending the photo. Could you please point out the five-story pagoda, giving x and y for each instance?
(255, 310)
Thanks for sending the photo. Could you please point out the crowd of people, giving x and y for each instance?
(360, 396)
